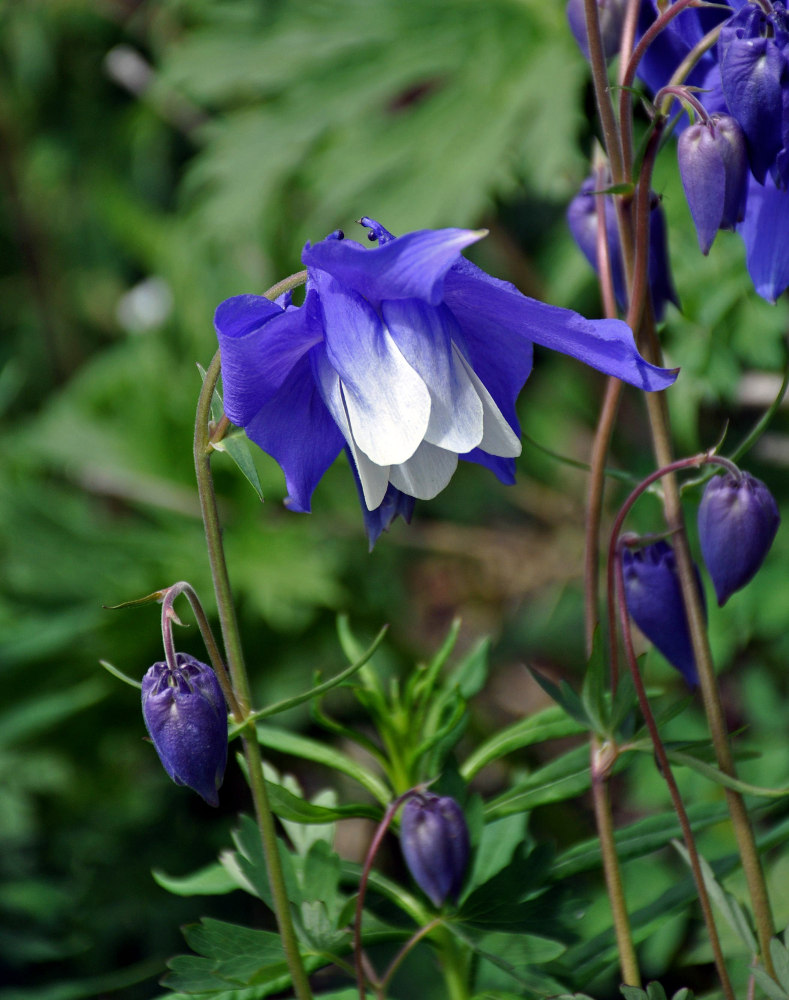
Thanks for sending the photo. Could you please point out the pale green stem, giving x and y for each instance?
(240, 682)
(613, 877)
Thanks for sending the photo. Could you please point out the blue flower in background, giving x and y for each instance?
(406, 355)
(746, 76)
(582, 222)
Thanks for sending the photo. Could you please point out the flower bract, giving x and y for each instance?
(407, 356)
(435, 842)
(185, 714)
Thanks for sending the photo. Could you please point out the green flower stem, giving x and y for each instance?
(454, 965)
(613, 876)
(240, 681)
(713, 708)
(667, 773)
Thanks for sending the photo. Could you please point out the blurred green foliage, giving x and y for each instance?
(157, 157)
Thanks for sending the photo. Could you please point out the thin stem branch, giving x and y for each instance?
(668, 775)
(605, 107)
(240, 682)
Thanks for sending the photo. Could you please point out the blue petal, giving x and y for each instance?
(260, 343)
(410, 267)
(765, 232)
(502, 468)
(387, 403)
(297, 430)
(394, 504)
(751, 71)
(608, 345)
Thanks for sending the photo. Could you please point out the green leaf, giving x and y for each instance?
(498, 842)
(291, 807)
(769, 985)
(551, 723)
(286, 742)
(234, 444)
(120, 675)
(729, 907)
(655, 991)
(320, 689)
(711, 772)
(563, 778)
(563, 695)
(632, 993)
(213, 880)
(471, 673)
(780, 958)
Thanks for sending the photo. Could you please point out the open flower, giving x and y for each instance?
(406, 355)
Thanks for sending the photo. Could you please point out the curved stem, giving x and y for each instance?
(240, 682)
(668, 775)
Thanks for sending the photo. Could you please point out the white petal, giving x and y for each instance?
(374, 478)
(390, 417)
(424, 335)
(426, 473)
(498, 437)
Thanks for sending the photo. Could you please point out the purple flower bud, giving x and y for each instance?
(611, 14)
(654, 601)
(582, 222)
(754, 66)
(738, 519)
(713, 165)
(186, 717)
(435, 843)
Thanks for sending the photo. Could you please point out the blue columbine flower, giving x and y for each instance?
(406, 355)
(754, 67)
(747, 76)
(185, 714)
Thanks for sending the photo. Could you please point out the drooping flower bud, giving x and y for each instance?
(435, 843)
(738, 519)
(611, 14)
(754, 66)
(582, 222)
(654, 601)
(713, 165)
(186, 717)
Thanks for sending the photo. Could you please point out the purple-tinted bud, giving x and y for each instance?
(713, 165)
(654, 601)
(582, 222)
(738, 519)
(611, 14)
(754, 66)
(186, 717)
(435, 843)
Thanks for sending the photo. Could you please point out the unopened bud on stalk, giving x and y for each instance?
(435, 843)
(738, 519)
(186, 717)
(713, 165)
(654, 601)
